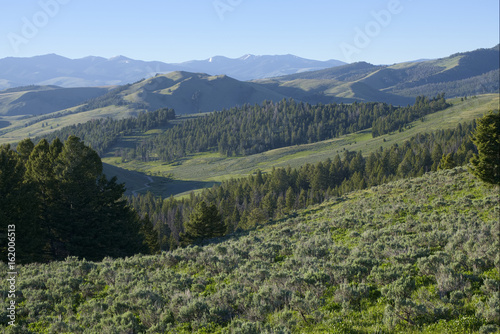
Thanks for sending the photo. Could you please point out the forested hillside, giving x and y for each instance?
(250, 129)
(100, 134)
(244, 202)
(256, 254)
(412, 256)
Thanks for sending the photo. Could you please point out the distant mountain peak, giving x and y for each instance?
(120, 58)
(247, 56)
(99, 71)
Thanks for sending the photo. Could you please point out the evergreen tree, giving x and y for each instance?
(486, 164)
(290, 199)
(151, 244)
(69, 205)
(447, 162)
(205, 222)
(437, 154)
(24, 148)
(18, 210)
(40, 173)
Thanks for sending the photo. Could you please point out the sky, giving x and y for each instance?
(376, 31)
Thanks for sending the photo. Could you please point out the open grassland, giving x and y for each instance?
(412, 256)
(447, 63)
(210, 168)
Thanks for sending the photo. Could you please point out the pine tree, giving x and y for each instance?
(24, 148)
(486, 164)
(290, 199)
(40, 173)
(79, 211)
(447, 162)
(205, 222)
(18, 210)
(437, 154)
(151, 244)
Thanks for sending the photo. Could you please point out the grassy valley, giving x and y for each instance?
(206, 168)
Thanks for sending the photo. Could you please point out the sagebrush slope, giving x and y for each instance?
(418, 255)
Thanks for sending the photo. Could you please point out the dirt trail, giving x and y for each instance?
(146, 185)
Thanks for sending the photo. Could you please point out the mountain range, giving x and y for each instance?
(53, 69)
(468, 73)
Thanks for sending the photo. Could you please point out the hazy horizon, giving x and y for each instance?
(381, 32)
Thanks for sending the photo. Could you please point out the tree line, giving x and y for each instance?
(249, 129)
(102, 133)
(252, 129)
(242, 203)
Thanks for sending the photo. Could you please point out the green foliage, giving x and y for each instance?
(205, 222)
(100, 134)
(447, 162)
(18, 209)
(247, 202)
(62, 205)
(401, 117)
(432, 271)
(486, 164)
(250, 129)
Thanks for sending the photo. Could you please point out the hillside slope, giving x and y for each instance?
(41, 100)
(190, 93)
(468, 73)
(213, 167)
(418, 255)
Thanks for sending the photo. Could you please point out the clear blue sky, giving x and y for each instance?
(176, 31)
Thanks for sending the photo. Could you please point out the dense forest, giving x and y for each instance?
(102, 133)
(62, 205)
(244, 202)
(249, 129)
(253, 129)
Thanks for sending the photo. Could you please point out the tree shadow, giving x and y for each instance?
(140, 183)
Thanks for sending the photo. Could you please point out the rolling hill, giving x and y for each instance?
(469, 73)
(190, 93)
(187, 93)
(39, 100)
(206, 168)
(462, 74)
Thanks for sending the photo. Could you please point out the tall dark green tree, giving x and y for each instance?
(93, 219)
(58, 195)
(18, 210)
(151, 244)
(40, 173)
(486, 163)
(205, 222)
